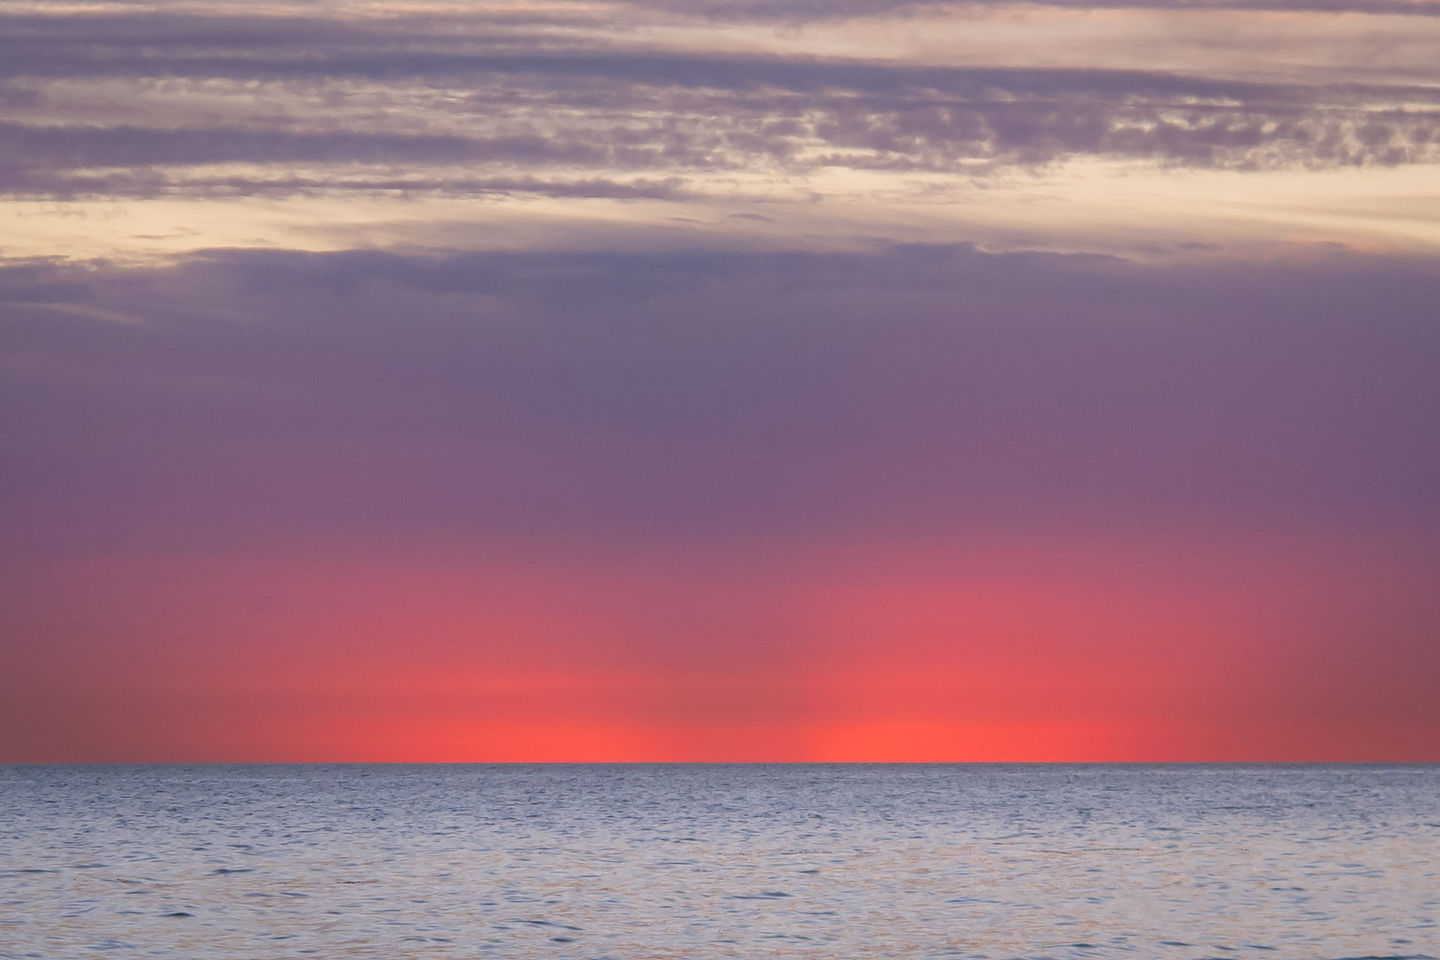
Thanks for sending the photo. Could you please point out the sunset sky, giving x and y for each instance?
(719, 380)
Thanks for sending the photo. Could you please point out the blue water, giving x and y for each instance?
(847, 861)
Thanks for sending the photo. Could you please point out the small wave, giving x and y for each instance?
(763, 895)
(548, 923)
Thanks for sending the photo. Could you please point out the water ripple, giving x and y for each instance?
(640, 863)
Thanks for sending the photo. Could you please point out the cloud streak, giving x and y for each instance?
(498, 103)
(954, 122)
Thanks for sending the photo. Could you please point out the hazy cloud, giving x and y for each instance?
(914, 390)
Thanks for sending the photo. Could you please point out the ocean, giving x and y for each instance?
(628, 862)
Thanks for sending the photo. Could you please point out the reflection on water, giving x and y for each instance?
(720, 861)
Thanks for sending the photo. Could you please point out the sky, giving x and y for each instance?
(719, 380)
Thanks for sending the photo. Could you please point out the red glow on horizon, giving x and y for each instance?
(1092, 653)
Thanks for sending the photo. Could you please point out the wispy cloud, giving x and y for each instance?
(641, 103)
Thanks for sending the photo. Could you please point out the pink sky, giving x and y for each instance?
(720, 381)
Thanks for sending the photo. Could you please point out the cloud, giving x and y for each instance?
(905, 392)
(145, 104)
(634, 125)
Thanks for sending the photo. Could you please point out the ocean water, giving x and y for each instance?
(843, 861)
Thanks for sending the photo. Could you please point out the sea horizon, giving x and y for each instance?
(720, 479)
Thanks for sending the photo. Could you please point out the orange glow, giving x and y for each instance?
(1095, 652)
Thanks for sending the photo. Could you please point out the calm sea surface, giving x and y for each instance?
(720, 861)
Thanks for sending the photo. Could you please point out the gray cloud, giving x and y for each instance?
(53, 160)
(943, 121)
(496, 97)
(907, 391)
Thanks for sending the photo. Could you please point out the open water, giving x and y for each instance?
(745, 861)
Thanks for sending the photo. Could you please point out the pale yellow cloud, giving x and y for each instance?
(515, 150)
(1131, 209)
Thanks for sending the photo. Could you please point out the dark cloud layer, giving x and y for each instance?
(278, 399)
(520, 100)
